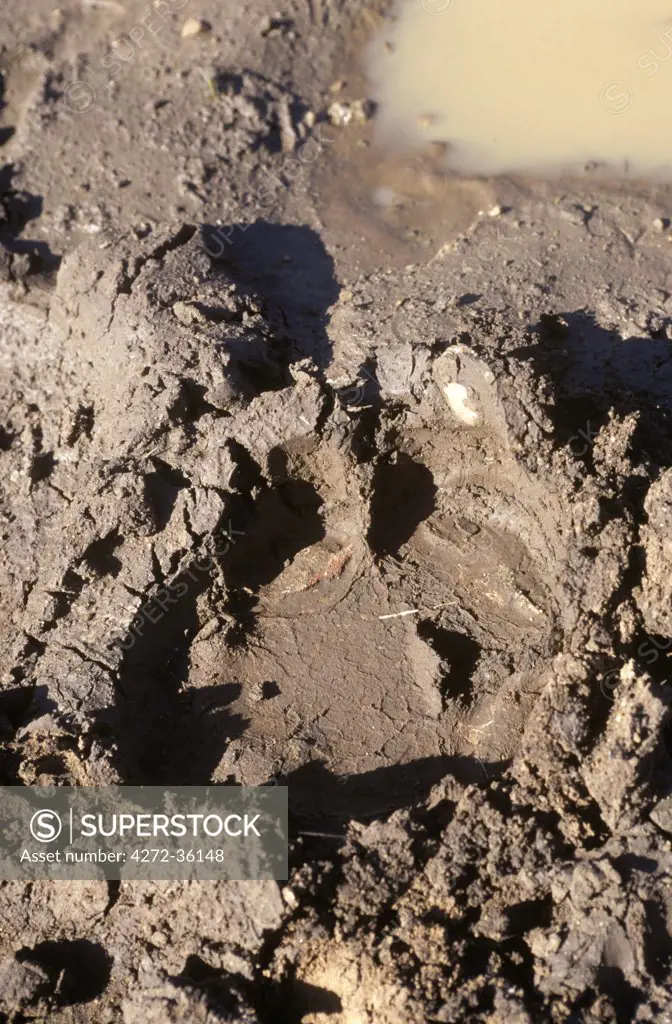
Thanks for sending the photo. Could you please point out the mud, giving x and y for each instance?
(370, 499)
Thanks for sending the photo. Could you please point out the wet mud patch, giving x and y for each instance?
(353, 477)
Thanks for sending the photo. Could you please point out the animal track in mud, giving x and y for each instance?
(402, 611)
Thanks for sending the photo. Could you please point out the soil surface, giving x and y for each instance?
(325, 466)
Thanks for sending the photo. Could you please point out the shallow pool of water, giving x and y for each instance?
(529, 86)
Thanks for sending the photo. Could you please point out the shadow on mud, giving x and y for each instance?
(595, 375)
(318, 797)
(594, 372)
(289, 267)
(17, 209)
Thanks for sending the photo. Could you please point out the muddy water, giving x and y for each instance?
(391, 209)
(530, 86)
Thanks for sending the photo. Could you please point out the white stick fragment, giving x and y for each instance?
(398, 615)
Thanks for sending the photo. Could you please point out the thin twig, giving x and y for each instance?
(323, 835)
(398, 615)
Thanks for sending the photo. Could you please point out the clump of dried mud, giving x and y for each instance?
(396, 539)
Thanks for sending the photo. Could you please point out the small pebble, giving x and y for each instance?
(363, 110)
(288, 137)
(339, 114)
(276, 25)
(194, 27)
(290, 898)
(458, 398)
(359, 111)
